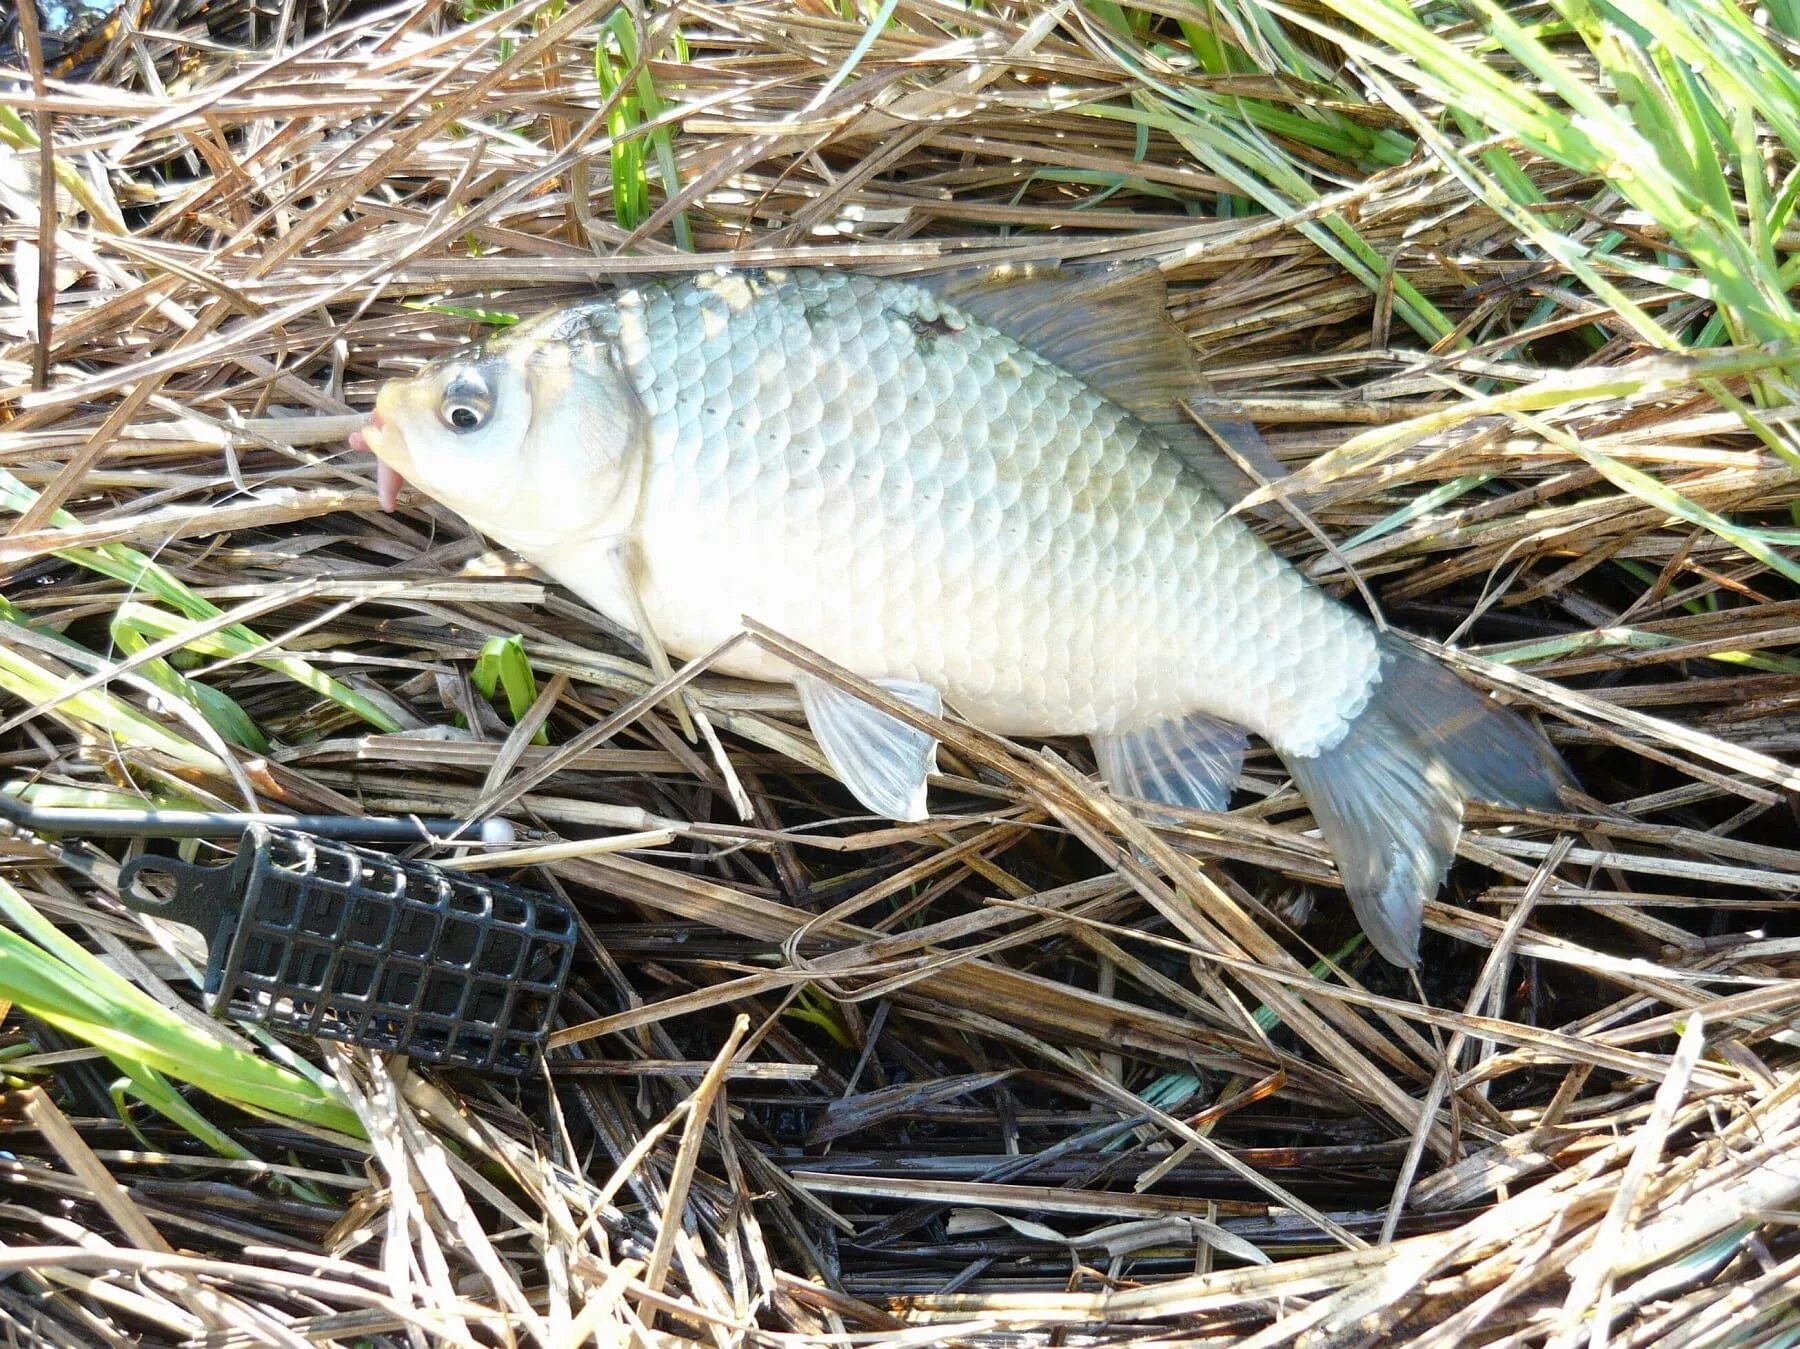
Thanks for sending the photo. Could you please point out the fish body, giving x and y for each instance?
(917, 496)
(896, 476)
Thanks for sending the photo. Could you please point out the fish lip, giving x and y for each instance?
(388, 483)
(377, 438)
(368, 438)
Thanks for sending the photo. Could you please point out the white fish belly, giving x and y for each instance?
(916, 496)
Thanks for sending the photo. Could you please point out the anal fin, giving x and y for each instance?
(1186, 761)
(883, 761)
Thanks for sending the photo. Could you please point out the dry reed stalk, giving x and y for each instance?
(1036, 1069)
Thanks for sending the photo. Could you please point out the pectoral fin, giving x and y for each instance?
(883, 761)
(1189, 761)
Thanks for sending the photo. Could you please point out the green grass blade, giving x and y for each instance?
(51, 976)
(1657, 493)
(503, 667)
(1423, 504)
(132, 569)
(220, 710)
(1658, 137)
(144, 1084)
(237, 642)
(94, 708)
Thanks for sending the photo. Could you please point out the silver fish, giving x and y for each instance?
(983, 491)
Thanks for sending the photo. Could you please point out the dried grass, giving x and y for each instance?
(1037, 1073)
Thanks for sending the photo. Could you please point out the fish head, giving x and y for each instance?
(535, 437)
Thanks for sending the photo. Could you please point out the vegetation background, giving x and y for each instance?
(1509, 291)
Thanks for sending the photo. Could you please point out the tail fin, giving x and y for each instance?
(1388, 796)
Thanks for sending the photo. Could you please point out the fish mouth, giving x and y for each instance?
(377, 438)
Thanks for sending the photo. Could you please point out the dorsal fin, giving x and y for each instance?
(1110, 327)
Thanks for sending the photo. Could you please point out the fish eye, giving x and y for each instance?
(467, 403)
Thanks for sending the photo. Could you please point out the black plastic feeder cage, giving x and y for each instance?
(320, 938)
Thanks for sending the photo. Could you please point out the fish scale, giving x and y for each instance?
(917, 496)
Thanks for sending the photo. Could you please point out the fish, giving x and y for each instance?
(981, 490)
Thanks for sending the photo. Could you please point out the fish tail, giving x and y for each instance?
(1388, 795)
